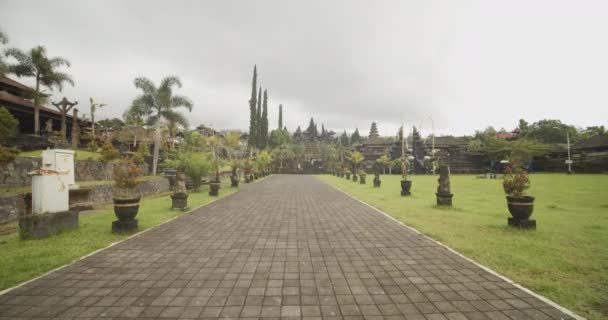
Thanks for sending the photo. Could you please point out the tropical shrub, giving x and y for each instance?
(196, 166)
(139, 157)
(8, 125)
(108, 152)
(515, 181)
(125, 174)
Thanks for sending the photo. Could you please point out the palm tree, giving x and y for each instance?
(94, 107)
(282, 153)
(385, 162)
(36, 64)
(232, 141)
(356, 157)
(157, 103)
(3, 66)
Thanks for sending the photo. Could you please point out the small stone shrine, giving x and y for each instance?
(444, 195)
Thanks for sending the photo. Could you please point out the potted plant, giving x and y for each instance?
(362, 176)
(125, 174)
(234, 177)
(515, 182)
(265, 159)
(247, 170)
(356, 157)
(347, 174)
(232, 141)
(377, 180)
(406, 185)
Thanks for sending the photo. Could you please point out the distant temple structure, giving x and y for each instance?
(17, 98)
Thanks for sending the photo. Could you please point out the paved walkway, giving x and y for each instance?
(286, 247)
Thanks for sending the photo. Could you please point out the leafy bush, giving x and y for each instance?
(92, 146)
(108, 152)
(8, 124)
(125, 174)
(196, 166)
(139, 157)
(515, 181)
(7, 154)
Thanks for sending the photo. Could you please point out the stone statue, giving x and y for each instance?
(48, 126)
(180, 183)
(444, 180)
(444, 194)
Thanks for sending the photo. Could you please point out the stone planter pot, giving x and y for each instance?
(214, 188)
(377, 183)
(406, 186)
(355, 178)
(234, 181)
(125, 210)
(444, 199)
(179, 200)
(347, 176)
(521, 209)
(362, 179)
(247, 178)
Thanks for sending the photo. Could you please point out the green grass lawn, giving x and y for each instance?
(23, 260)
(565, 259)
(80, 154)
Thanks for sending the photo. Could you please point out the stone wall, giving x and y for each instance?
(15, 173)
(12, 205)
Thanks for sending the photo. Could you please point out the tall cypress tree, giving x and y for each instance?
(263, 128)
(280, 116)
(344, 139)
(252, 111)
(258, 120)
(355, 137)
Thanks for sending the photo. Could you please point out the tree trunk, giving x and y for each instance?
(93, 125)
(390, 170)
(156, 146)
(64, 125)
(36, 107)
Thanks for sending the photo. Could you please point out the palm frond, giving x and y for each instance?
(3, 38)
(58, 62)
(146, 85)
(56, 80)
(169, 82)
(181, 101)
(175, 117)
(143, 105)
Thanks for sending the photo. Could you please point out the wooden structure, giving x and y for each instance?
(17, 98)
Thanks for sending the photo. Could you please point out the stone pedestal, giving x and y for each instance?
(179, 201)
(522, 224)
(405, 193)
(37, 226)
(124, 226)
(444, 199)
(377, 183)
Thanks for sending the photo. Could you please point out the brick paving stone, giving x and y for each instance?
(287, 247)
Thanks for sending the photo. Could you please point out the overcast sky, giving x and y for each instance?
(465, 64)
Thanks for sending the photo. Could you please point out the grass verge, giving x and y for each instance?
(81, 154)
(565, 259)
(23, 260)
